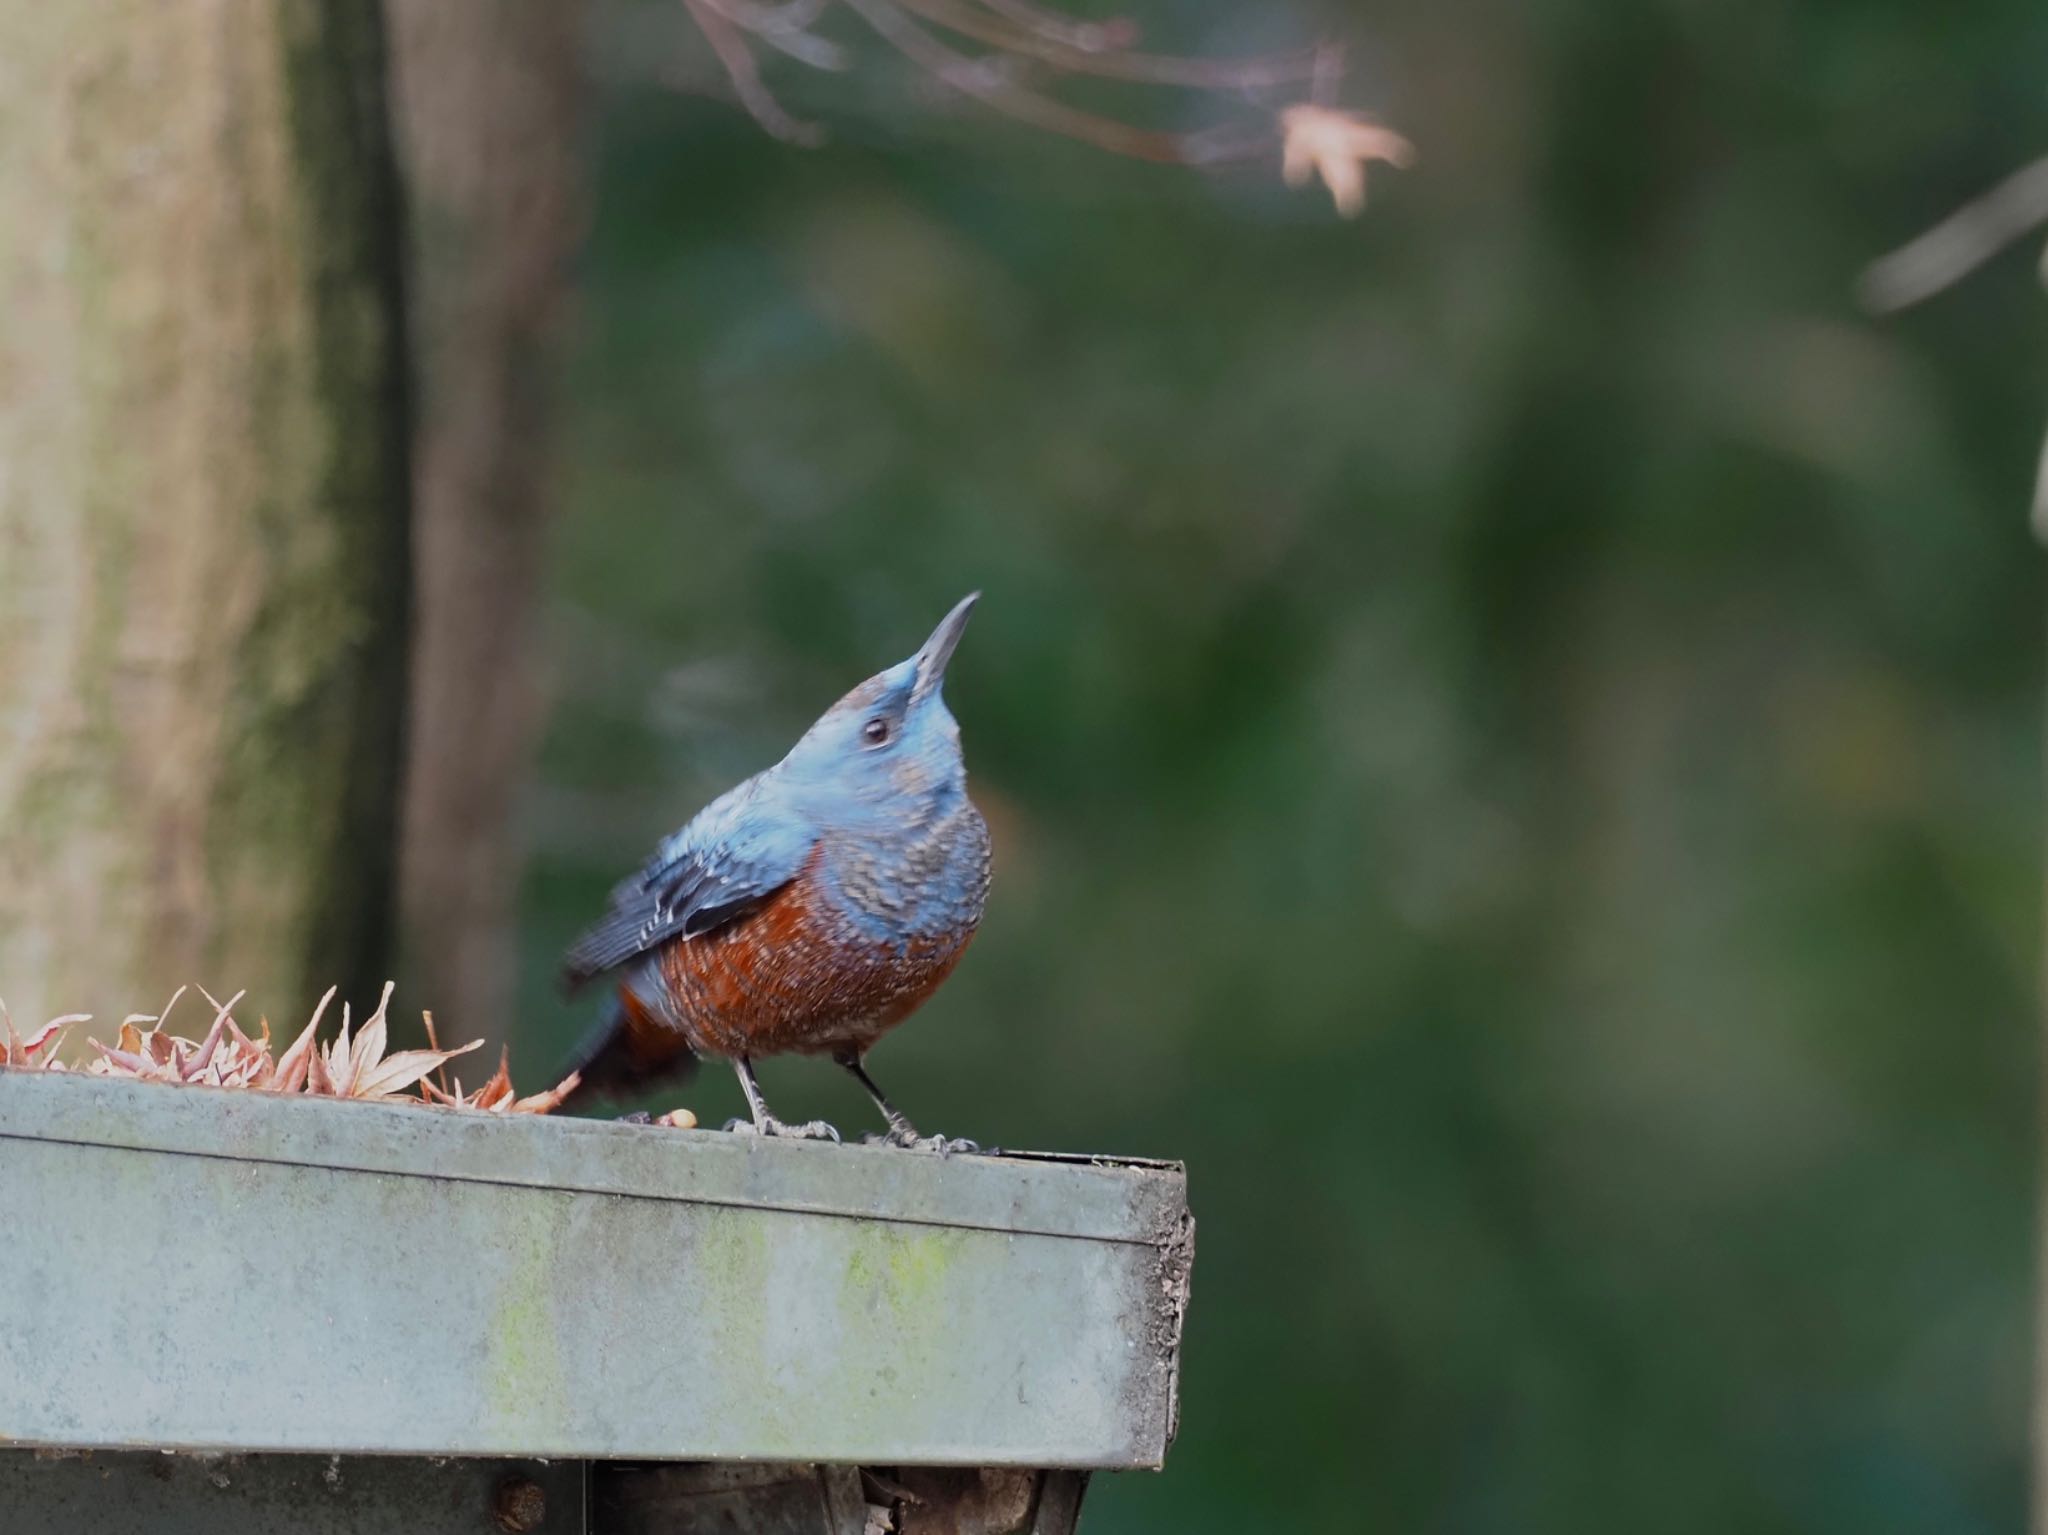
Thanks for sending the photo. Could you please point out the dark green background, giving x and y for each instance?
(1511, 725)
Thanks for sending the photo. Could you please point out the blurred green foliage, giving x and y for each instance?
(1511, 726)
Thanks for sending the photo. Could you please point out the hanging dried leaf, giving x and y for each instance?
(1337, 146)
(1011, 56)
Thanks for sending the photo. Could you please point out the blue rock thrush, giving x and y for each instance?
(807, 911)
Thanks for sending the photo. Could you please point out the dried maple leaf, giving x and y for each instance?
(229, 1057)
(217, 1060)
(293, 1068)
(359, 1068)
(497, 1096)
(39, 1051)
(353, 1065)
(139, 1052)
(1337, 146)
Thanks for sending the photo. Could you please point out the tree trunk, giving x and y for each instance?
(488, 95)
(203, 502)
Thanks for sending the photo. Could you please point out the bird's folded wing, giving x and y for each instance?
(715, 871)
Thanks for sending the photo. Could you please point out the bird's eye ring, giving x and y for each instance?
(875, 731)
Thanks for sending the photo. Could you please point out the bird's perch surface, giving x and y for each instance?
(190, 1268)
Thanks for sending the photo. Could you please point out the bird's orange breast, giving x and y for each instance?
(795, 977)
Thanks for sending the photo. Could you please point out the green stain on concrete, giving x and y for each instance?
(899, 1273)
(919, 1260)
(524, 1369)
(899, 1288)
(730, 1263)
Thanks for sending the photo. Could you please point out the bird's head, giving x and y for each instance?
(892, 738)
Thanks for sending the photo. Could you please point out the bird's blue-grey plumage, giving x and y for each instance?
(735, 853)
(810, 907)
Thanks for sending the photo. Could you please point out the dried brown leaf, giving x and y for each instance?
(338, 1058)
(39, 1051)
(497, 1096)
(353, 1065)
(41, 1037)
(395, 1074)
(370, 1044)
(203, 1057)
(319, 1081)
(499, 1089)
(122, 1063)
(293, 1067)
(433, 1040)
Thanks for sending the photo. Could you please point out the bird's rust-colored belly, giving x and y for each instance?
(795, 978)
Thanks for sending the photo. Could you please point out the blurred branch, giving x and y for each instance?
(785, 28)
(765, 20)
(1111, 61)
(1089, 36)
(1021, 34)
(2038, 517)
(722, 32)
(1959, 244)
(1953, 249)
(989, 83)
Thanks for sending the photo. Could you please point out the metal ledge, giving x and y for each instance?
(196, 1269)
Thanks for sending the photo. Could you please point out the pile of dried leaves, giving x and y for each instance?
(354, 1064)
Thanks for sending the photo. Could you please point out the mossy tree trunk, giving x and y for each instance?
(488, 96)
(203, 502)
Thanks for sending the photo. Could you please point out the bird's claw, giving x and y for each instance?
(909, 1140)
(811, 1130)
(637, 1117)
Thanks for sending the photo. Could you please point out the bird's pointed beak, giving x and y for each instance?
(933, 655)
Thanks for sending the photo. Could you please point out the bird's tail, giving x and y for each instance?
(609, 1066)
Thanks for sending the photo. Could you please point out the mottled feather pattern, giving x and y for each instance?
(931, 879)
(838, 956)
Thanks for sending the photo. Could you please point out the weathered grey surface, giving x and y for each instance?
(187, 1267)
(150, 1494)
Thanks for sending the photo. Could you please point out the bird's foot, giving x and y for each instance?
(906, 1136)
(811, 1130)
(637, 1117)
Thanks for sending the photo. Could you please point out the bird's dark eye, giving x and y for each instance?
(875, 731)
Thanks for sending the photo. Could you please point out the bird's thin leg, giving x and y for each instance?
(900, 1126)
(901, 1131)
(766, 1123)
(756, 1104)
